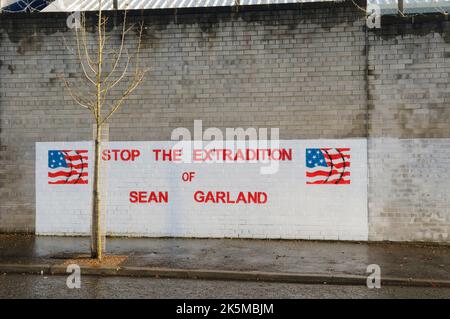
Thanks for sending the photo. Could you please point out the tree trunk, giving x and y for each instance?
(96, 245)
(400, 7)
(96, 218)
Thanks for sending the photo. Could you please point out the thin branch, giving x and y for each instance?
(122, 43)
(130, 90)
(111, 85)
(80, 60)
(91, 63)
(138, 51)
(78, 99)
(103, 26)
(114, 83)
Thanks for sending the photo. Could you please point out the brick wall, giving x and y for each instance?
(313, 70)
(409, 112)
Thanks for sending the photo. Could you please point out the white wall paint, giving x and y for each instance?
(294, 210)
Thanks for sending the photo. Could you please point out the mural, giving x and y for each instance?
(167, 189)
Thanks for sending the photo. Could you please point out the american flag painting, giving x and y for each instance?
(67, 167)
(327, 166)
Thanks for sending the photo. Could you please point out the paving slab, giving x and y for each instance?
(397, 260)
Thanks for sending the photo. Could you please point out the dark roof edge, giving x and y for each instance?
(391, 19)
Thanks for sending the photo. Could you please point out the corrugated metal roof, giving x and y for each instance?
(387, 6)
(412, 6)
(90, 5)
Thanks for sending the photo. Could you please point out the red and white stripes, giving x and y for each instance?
(76, 170)
(337, 170)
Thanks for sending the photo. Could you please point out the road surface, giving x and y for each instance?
(35, 286)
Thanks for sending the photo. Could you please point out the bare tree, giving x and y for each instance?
(109, 76)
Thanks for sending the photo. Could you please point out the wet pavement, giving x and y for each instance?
(35, 286)
(292, 256)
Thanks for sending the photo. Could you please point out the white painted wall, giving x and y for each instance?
(294, 210)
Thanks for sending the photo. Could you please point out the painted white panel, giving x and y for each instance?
(293, 209)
